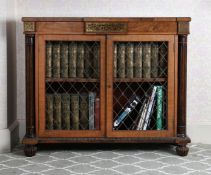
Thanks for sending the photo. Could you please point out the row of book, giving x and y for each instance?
(72, 59)
(135, 60)
(141, 110)
(72, 111)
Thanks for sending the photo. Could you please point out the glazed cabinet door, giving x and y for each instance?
(70, 86)
(141, 86)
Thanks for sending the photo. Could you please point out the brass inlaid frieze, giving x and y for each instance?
(29, 26)
(183, 27)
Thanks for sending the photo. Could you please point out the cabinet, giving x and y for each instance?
(106, 80)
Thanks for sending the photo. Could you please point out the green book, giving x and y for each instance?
(74, 106)
(72, 59)
(115, 60)
(56, 60)
(154, 60)
(65, 111)
(80, 61)
(159, 105)
(138, 61)
(57, 112)
(88, 62)
(129, 60)
(147, 60)
(48, 60)
(49, 111)
(84, 111)
(96, 60)
(121, 61)
(64, 60)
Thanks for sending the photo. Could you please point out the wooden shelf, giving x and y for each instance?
(131, 80)
(80, 80)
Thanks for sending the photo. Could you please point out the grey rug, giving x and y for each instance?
(108, 160)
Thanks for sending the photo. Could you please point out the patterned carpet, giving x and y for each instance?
(108, 160)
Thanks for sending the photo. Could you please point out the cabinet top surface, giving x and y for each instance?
(185, 19)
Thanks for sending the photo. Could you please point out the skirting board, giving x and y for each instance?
(9, 137)
(199, 133)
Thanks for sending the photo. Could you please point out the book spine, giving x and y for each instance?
(146, 60)
(129, 60)
(149, 109)
(133, 102)
(141, 115)
(154, 61)
(80, 61)
(65, 111)
(64, 60)
(91, 110)
(57, 111)
(138, 61)
(49, 111)
(115, 60)
(84, 111)
(97, 113)
(96, 60)
(88, 63)
(72, 59)
(48, 60)
(162, 60)
(121, 61)
(56, 60)
(159, 108)
(74, 103)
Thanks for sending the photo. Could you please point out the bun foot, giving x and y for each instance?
(182, 150)
(30, 150)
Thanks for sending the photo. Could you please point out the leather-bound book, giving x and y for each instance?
(80, 61)
(163, 53)
(129, 60)
(74, 104)
(84, 111)
(56, 60)
(91, 110)
(49, 111)
(65, 111)
(48, 59)
(64, 59)
(121, 60)
(97, 113)
(57, 111)
(115, 60)
(138, 61)
(88, 62)
(72, 59)
(96, 61)
(154, 60)
(147, 60)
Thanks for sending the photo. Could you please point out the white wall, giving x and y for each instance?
(199, 49)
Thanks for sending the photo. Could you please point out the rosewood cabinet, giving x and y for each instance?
(83, 75)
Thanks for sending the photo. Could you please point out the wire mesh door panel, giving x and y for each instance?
(140, 89)
(72, 90)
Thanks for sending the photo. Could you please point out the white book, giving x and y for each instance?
(141, 120)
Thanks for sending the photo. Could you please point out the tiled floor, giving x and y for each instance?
(106, 159)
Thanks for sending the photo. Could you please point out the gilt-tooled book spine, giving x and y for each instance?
(154, 60)
(49, 111)
(57, 111)
(121, 61)
(159, 105)
(162, 60)
(146, 60)
(129, 60)
(64, 60)
(72, 59)
(97, 113)
(87, 62)
(115, 60)
(74, 103)
(84, 111)
(138, 61)
(66, 111)
(56, 60)
(80, 61)
(96, 60)
(91, 110)
(48, 60)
